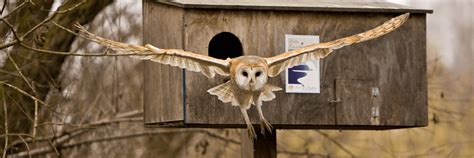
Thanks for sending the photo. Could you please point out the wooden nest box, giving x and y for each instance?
(377, 84)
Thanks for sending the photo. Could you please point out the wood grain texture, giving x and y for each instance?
(395, 63)
(354, 104)
(163, 95)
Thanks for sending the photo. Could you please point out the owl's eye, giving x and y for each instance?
(245, 73)
(258, 74)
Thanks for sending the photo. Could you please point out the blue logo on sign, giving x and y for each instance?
(296, 73)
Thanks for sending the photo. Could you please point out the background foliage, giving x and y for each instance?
(62, 96)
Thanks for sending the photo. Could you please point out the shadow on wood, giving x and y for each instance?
(265, 146)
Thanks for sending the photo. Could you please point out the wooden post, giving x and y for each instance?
(263, 147)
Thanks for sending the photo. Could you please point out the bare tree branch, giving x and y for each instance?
(123, 117)
(337, 143)
(84, 55)
(8, 44)
(5, 111)
(12, 29)
(15, 9)
(35, 122)
(306, 154)
(5, 3)
(44, 150)
(27, 146)
(25, 93)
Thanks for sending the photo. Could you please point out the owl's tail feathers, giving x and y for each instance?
(267, 93)
(224, 93)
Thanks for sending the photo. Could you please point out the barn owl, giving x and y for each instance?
(248, 74)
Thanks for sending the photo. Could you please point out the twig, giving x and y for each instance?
(47, 19)
(29, 95)
(24, 93)
(68, 136)
(5, 112)
(44, 150)
(71, 8)
(14, 134)
(9, 73)
(84, 55)
(18, 38)
(135, 119)
(19, 41)
(214, 135)
(35, 121)
(48, 149)
(130, 135)
(294, 154)
(9, 44)
(21, 73)
(66, 29)
(14, 102)
(38, 25)
(5, 2)
(337, 143)
(120, 118)
(129, 114)
(27, 146)
(15, 9)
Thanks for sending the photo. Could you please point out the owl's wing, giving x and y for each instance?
(289, 59)
(208, 66)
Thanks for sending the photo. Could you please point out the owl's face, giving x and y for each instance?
(250, 74)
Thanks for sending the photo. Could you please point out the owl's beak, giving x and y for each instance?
(252, 82)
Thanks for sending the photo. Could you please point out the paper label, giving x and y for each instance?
(303, 78)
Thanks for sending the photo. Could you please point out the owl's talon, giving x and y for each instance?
(265, 125)
(251, 132)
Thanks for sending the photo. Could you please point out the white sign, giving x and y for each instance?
(303, 78)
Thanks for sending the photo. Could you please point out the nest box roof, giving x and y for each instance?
(296, 5)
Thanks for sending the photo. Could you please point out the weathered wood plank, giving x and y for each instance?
(395, 64)
(262, 33)
(404, 96)
(354, 105)
(163, 95)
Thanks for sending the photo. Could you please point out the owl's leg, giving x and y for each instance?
(250, 129)
(264, 124)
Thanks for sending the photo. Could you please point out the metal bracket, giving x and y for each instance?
(375, 112)
(334, 101)
(375, 91)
